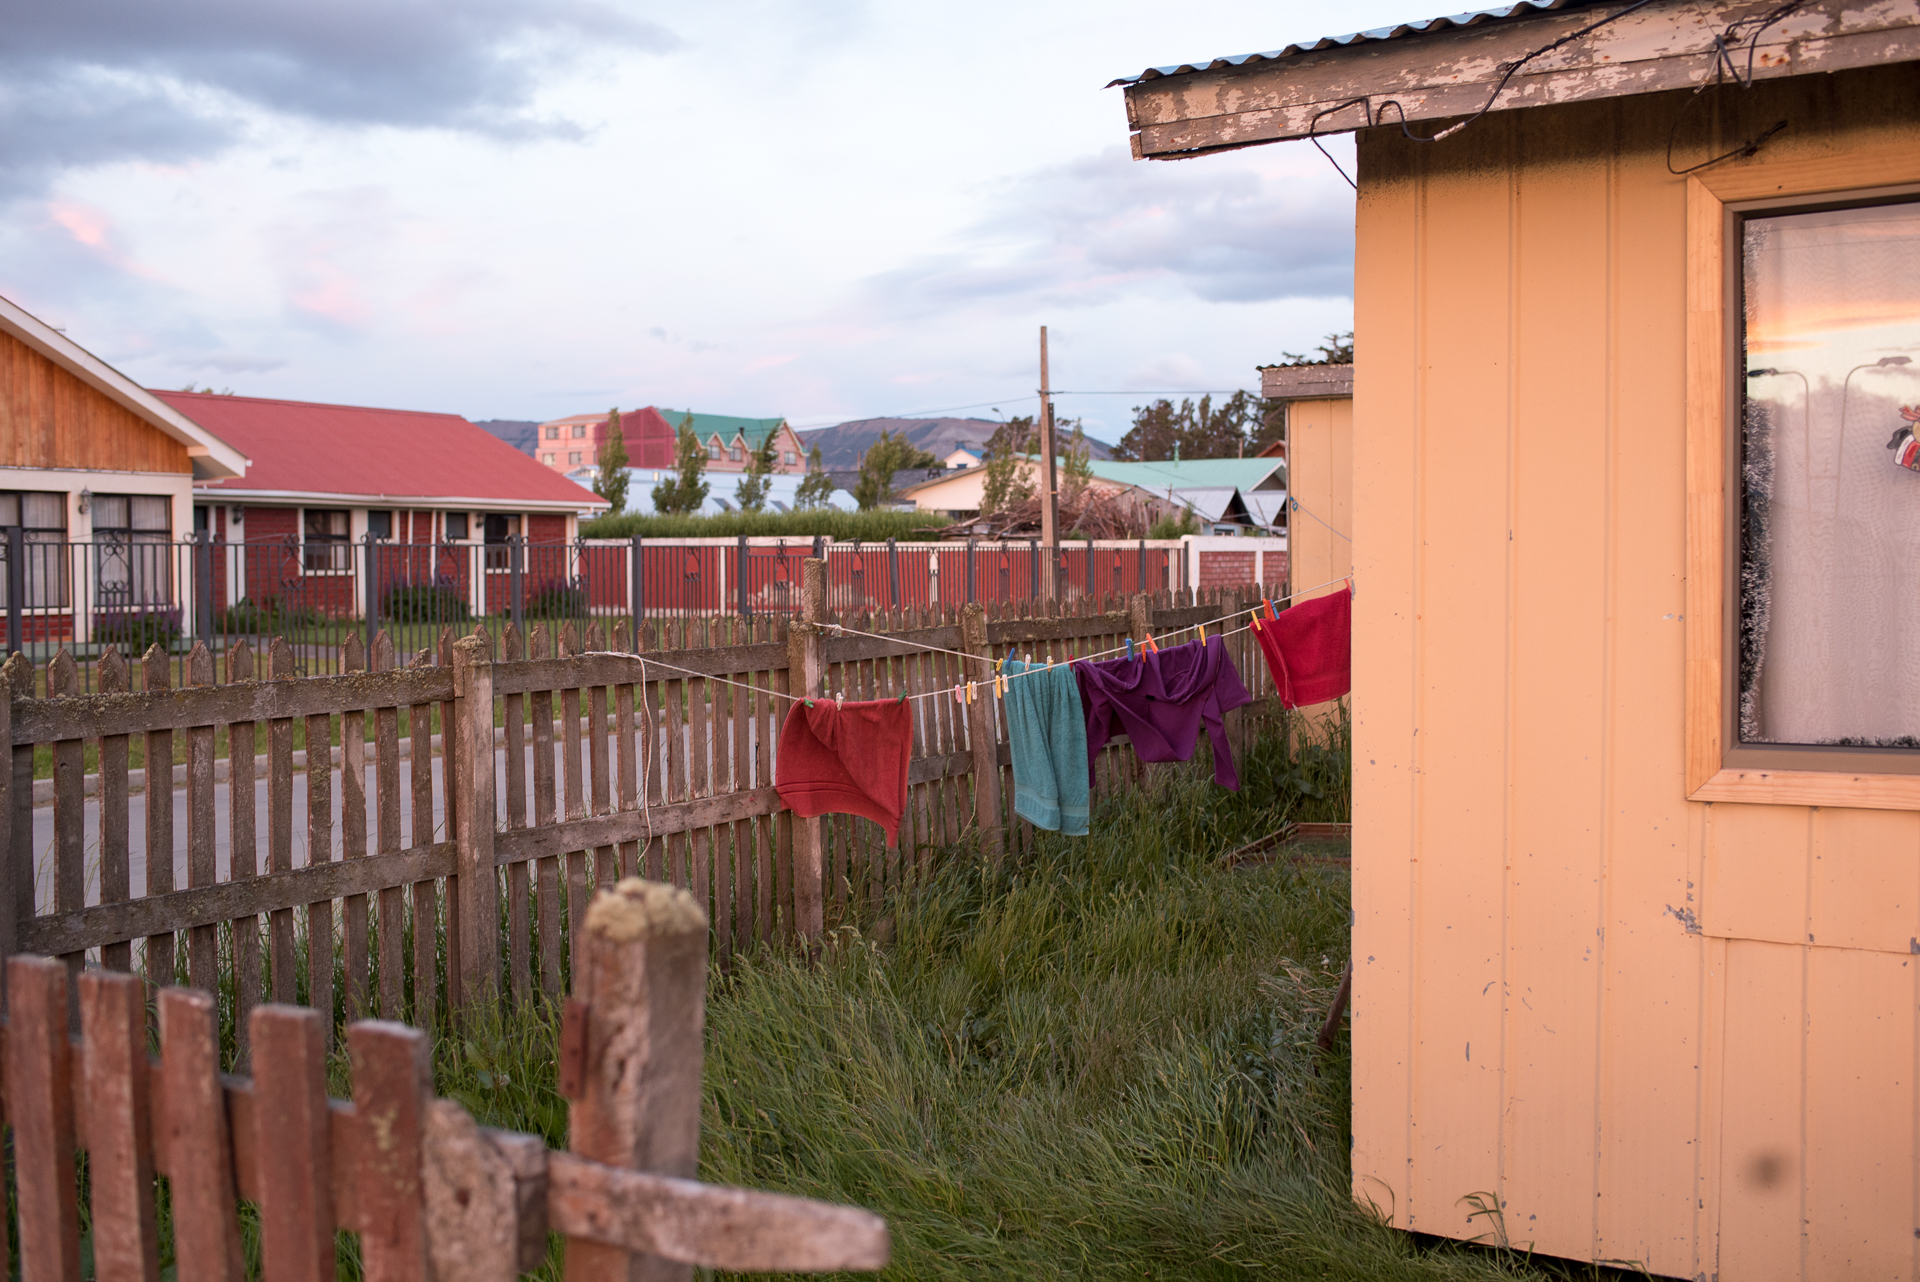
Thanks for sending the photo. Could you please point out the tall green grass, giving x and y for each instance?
(868, 527)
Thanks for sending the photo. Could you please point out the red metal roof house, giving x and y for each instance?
(447, 495)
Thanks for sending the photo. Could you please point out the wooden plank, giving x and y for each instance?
(980, 730)
(678, 869)
(628, 770)
(806, 672)
(116, 882)
(320, 854)
(393, 899)
(425, 894)
(159, 707)
(642, 990)
(102, 924)
(763, 829)
(243, 859)
(392, 1084)
(69, 805)
(452, 756)
(576, 804)
(485, 1198)
(479, 882)
(353, 835)
(292, 1121)
(548, 869)
(709, 1226)
(573, 670)
(203, 942)
(700, 748)
(191, 1139)
(155, 676)
(519, 893)
(740, 884)
(113, 1031)
(605, 871)
(40, 1110)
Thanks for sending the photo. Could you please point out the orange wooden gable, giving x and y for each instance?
(50, 418)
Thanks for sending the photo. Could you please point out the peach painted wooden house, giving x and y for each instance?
(1636, 699)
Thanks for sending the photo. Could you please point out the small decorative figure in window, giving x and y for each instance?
(1906, 450)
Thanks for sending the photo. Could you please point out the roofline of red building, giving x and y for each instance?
(587, 499)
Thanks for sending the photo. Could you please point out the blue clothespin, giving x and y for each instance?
(1129, 647)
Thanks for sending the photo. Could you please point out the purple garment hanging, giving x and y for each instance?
(1160, 701)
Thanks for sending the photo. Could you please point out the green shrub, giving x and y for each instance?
(558, 599)
(1173, 527)
(425, 603)
(268, 615)
(842, 527)
(134, 630)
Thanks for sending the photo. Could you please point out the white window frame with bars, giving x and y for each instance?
(43, 568)
(133, 553)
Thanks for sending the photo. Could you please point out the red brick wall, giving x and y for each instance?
(546, 529)
(1235, 569)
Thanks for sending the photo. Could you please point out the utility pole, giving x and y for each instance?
(1049, 484)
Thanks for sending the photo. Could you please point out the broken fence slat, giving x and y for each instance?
(40, 1107)
(191, 1139)
(113, 1030)
(708, 1225)
(292, 1122)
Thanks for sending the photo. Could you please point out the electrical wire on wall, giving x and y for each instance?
(1723, 65)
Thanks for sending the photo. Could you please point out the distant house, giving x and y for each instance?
(1229, 495)
(88, 458)
(650, 434)
(722, 491)
(1318, 447)
(325, 478)
(961, 458)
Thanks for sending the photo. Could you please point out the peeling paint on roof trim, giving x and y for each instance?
(1525, 8)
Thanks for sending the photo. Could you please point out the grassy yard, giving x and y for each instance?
(1095, 1060)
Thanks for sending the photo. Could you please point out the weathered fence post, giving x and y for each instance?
(805, 677)
(16, 864)
(981, 738)
(972, 548)
(203, 585)
(372, 595)
(16, 588)
(470, 767)
(633, 1071)
(893, 568)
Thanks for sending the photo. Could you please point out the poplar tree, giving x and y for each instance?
(611, 483)
(686, 489)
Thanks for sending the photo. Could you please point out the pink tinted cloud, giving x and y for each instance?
(92, 228)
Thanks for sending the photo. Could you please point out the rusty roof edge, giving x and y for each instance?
(1507, 13)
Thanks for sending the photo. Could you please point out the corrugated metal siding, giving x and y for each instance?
(1534, 1020)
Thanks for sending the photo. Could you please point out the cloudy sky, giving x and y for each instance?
(820, 209)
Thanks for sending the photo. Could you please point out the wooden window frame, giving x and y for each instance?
(1717, 769)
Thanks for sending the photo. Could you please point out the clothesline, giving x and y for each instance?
(646, 660)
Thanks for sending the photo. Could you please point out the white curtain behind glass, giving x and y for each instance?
(1831, 589)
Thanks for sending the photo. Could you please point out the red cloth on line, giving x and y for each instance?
(1309, 649)
(847, 759)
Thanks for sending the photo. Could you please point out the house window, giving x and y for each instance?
(553, 434)
(132, 560)
(573, 458)
(41, 519)
(496, 528)
(734, 452)
(1828, 482)
(713, 448)
(327, 549)
(380, 524)
(787, 457)
(456, 526)
(579, 430)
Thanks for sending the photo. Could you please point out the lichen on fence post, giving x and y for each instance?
(636, 1084)
(806, 679)
(982, 739)
(470, 767)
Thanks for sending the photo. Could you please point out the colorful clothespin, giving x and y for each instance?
(1271, 613)
(1130, 647)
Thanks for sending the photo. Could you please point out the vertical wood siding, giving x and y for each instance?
(1654, 1030)
(49, 418)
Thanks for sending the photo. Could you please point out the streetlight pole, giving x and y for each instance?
(1049, 488)
(1840, 451)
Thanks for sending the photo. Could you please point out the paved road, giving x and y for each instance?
(137, 816)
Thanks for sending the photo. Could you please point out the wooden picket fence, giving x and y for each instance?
(622, 756)
(429, 1193)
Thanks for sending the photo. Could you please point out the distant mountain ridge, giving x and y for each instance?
(842, 444)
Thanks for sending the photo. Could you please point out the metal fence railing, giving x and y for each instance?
(131, 594)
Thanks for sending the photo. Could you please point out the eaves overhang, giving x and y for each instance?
(1528, 55)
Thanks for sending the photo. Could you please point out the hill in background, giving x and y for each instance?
(842, 444)
(518, 433)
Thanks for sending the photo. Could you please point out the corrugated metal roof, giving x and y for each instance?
(1525, 8)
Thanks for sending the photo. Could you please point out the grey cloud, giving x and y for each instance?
(1106, 225)
(89, 81)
